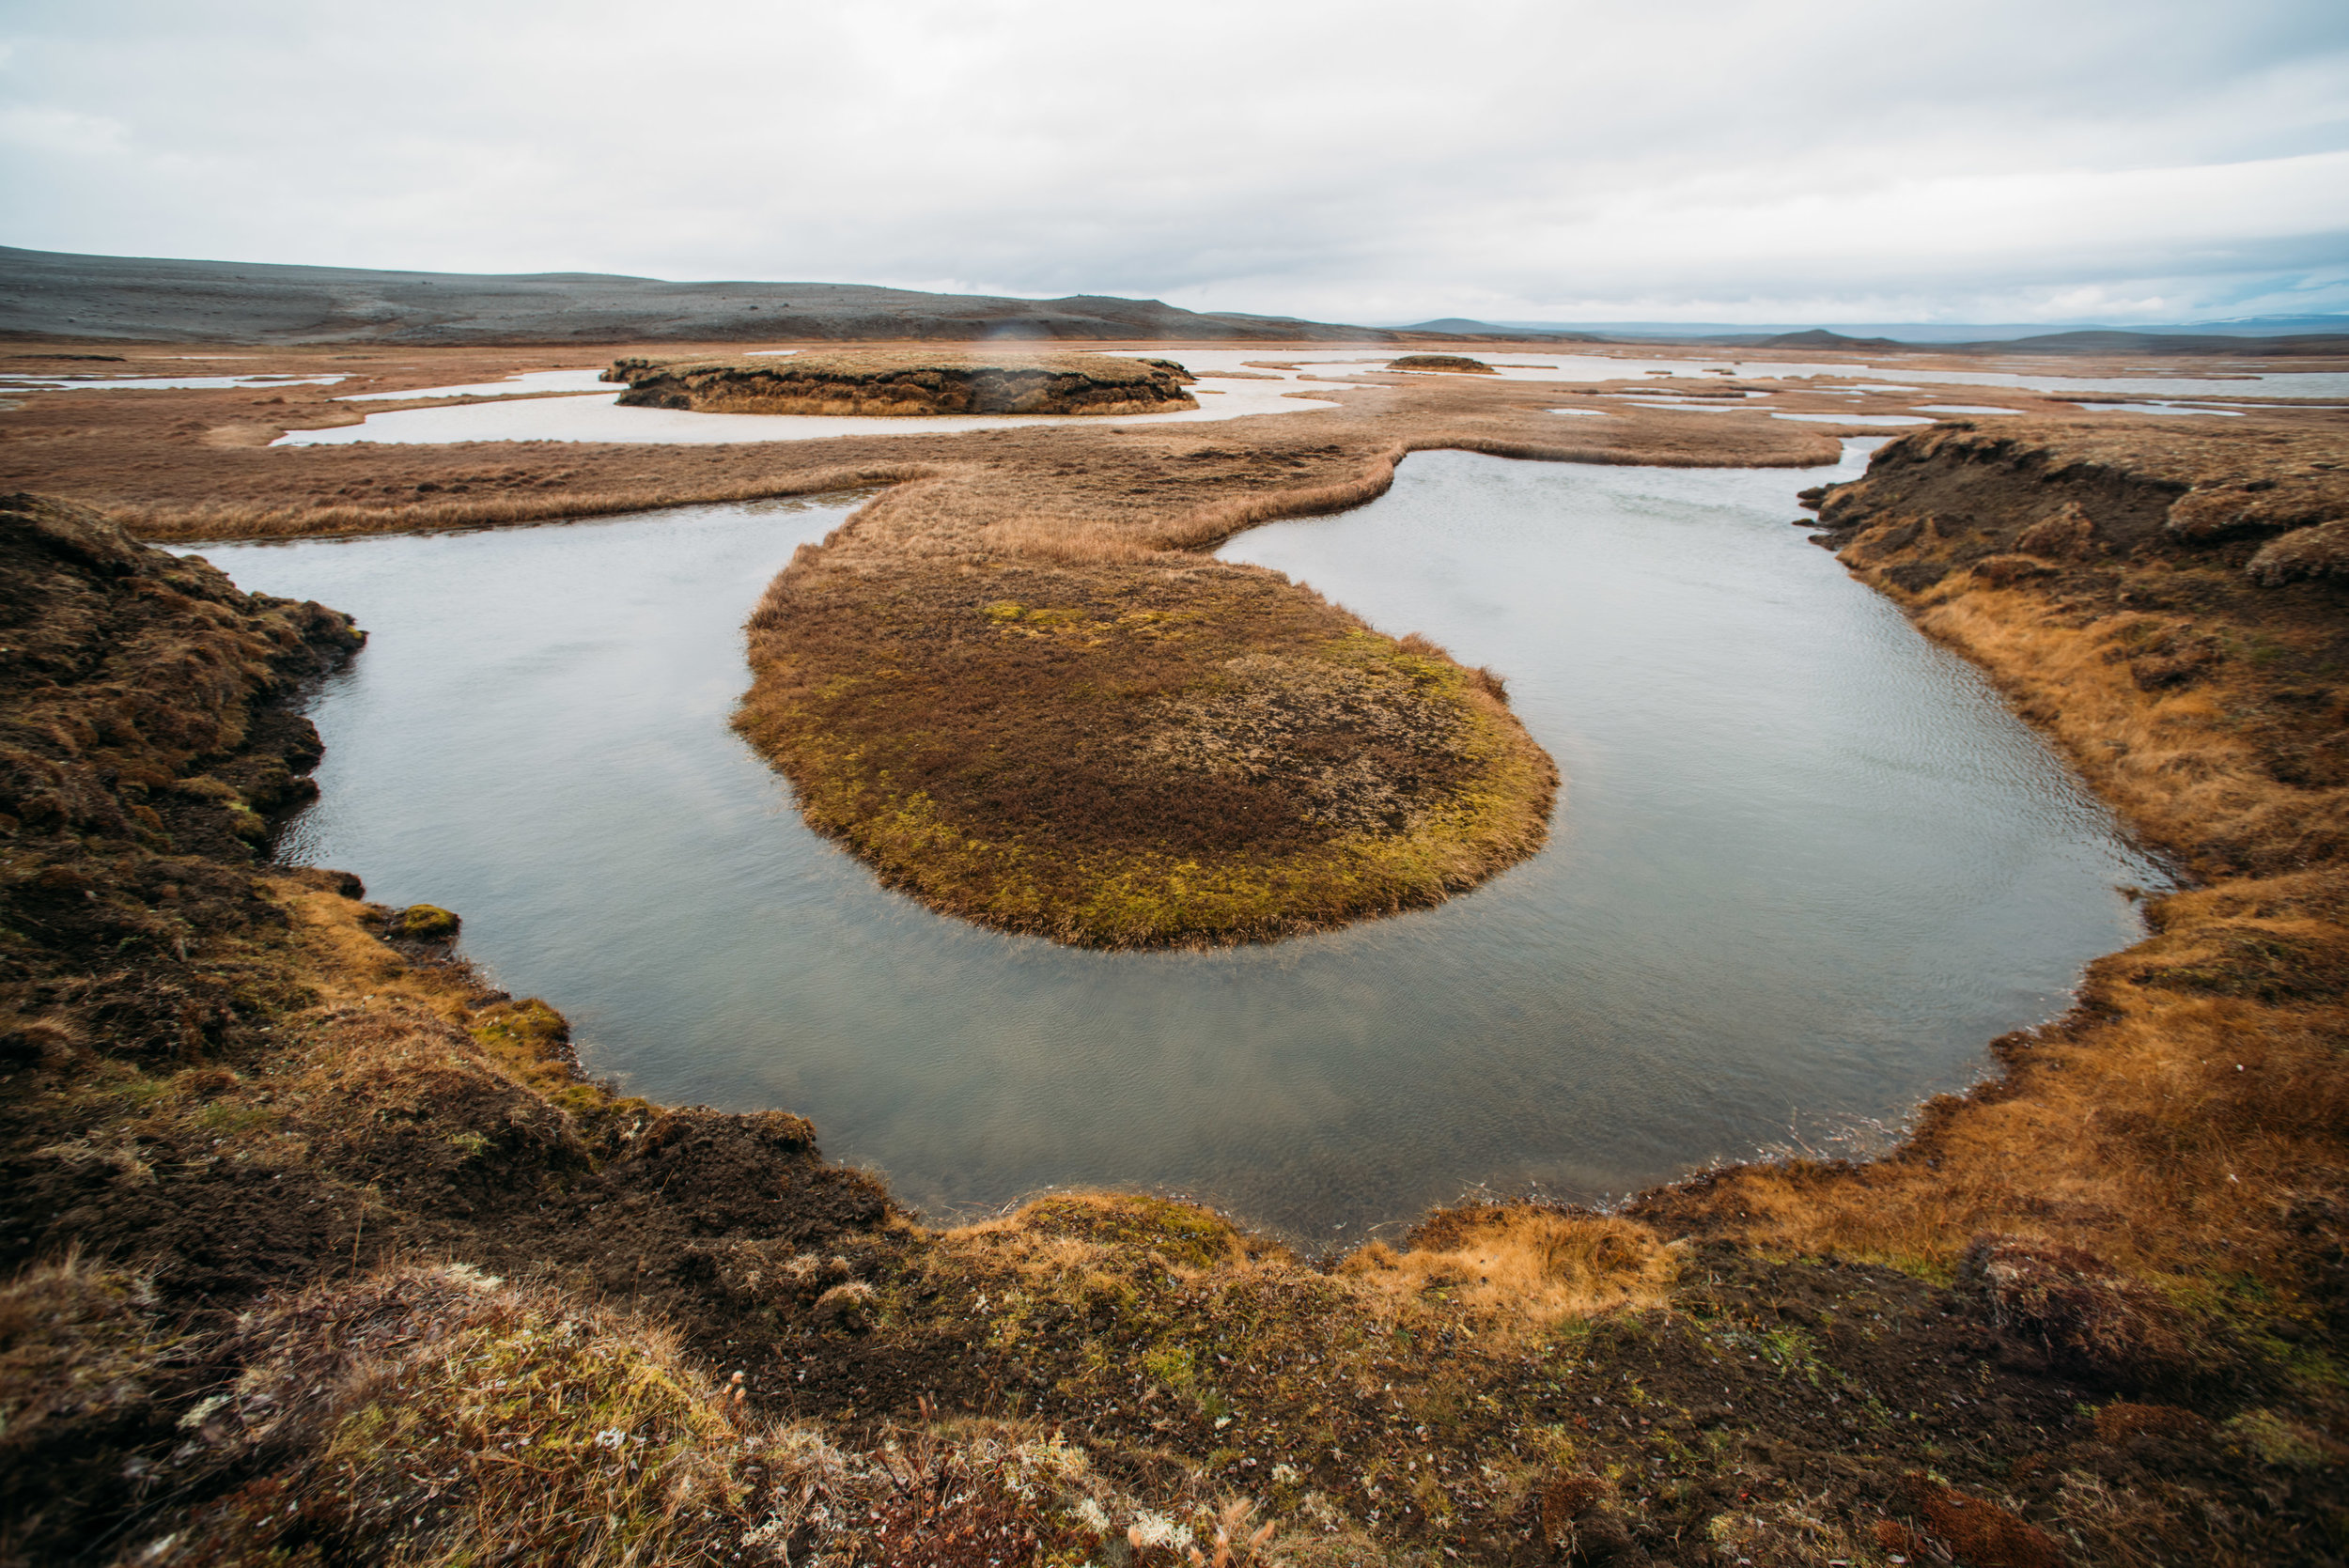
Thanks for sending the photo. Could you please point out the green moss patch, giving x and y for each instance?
(425, 923)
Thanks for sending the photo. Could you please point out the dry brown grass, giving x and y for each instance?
(2175, 761)
(218, 521)
(144, 455)
(1524, 1262)
(2187, 1119)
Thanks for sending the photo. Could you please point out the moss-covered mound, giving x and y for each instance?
(1128, 756)
(883, 382)
(1456, 364)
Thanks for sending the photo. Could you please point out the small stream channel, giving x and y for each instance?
(1806, 865)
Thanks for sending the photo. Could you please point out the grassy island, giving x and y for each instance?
(1136, 754)
(1459, 364)
(883, 382)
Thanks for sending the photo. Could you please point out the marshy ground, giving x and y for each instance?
(265, 1153)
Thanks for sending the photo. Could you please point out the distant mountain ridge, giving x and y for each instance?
(2261, 335)
(49, 294)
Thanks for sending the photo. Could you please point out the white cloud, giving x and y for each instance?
(1365, 160)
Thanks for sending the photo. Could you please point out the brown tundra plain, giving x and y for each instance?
(325, 1251)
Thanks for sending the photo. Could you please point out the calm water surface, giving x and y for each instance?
(1806, 865)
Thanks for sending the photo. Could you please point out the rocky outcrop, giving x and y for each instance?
(906, 384)
(2319, 552)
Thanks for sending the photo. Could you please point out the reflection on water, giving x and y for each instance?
(1805, 865)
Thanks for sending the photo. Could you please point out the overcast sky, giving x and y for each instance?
(2055, 160)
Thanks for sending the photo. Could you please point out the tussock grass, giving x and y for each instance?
(441, 1416)
(1525, 1261)
(2186, 1122)
(80, 1347)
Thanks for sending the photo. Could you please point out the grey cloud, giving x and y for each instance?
(1361, 161)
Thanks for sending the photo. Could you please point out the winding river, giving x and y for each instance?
(1806, 866)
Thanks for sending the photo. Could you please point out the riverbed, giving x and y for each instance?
(1805, 867)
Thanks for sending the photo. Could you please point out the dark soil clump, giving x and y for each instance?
(893, 384)
(1456, 364)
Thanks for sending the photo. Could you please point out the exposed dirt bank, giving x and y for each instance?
(2093, 1313)
(886, 382)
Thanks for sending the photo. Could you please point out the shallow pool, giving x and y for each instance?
(1806, 865)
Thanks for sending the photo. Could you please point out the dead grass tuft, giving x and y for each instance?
(1525, 1261)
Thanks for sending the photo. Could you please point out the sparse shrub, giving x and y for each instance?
(2274, 967)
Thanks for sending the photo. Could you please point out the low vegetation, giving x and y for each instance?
(2158, 1179)
(890, 382)
(327, 1251)
(1178, 751)
(1457, 364)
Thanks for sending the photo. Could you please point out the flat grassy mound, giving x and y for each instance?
(1188, 754)
(1455, 363)
(881, 382)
